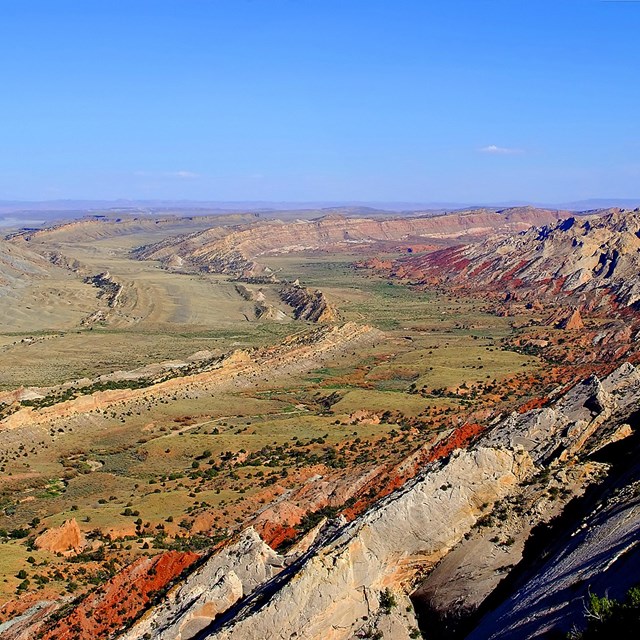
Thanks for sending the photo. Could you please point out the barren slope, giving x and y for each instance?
(36, 294)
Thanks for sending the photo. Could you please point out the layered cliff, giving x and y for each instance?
(238, 253)
(309, 305)
(591, 262)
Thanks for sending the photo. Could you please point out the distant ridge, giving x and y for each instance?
(601, 203)
(17, 213)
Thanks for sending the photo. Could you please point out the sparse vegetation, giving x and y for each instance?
(607, 617)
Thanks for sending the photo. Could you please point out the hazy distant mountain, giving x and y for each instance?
(15, 213)
(601, 203)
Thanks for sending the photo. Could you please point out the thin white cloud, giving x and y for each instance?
(185, 175)
(496, 150)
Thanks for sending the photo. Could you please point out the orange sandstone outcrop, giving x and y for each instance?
(572, 321)
(66, 537)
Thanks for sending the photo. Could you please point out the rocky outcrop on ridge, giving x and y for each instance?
(213, 588)
(66, 537)
(328, 593)
(263, 310)
(571, 321)
(590, 262)
(349, 584)
(110, 289)
(239, 370)
(238, 253)
(308, 305)
(123, 597)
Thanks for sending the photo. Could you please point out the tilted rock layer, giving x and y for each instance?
(67, 537)
(238, 253)
(590, 261)
(336, 588)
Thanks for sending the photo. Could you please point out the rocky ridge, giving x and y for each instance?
(308, 305)
(238, 253)
(341, 587)
(590, 262)
(239, 370)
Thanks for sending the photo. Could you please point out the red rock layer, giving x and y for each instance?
(120, 600)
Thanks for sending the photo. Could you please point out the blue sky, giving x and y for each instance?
(353, 100)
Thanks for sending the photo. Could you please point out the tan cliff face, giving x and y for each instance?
(66, 537)
(238, 253)
(337, 583)
(309, 305)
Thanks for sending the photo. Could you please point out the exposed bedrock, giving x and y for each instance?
(308, 304)
(238, 251)
(589, 262)
(354, 580)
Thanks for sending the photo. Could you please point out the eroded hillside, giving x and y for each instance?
(591, 262)
(239, 253)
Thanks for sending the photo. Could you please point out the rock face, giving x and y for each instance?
(326, 592)
(238, 253)
(329, 595)
(600, 557)
(110, 289)
(571, 322)
(308, 305)
(343, 584)
(594, 552)
(591, 262)
(226, 577)
(561, 440)
(66, 537)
